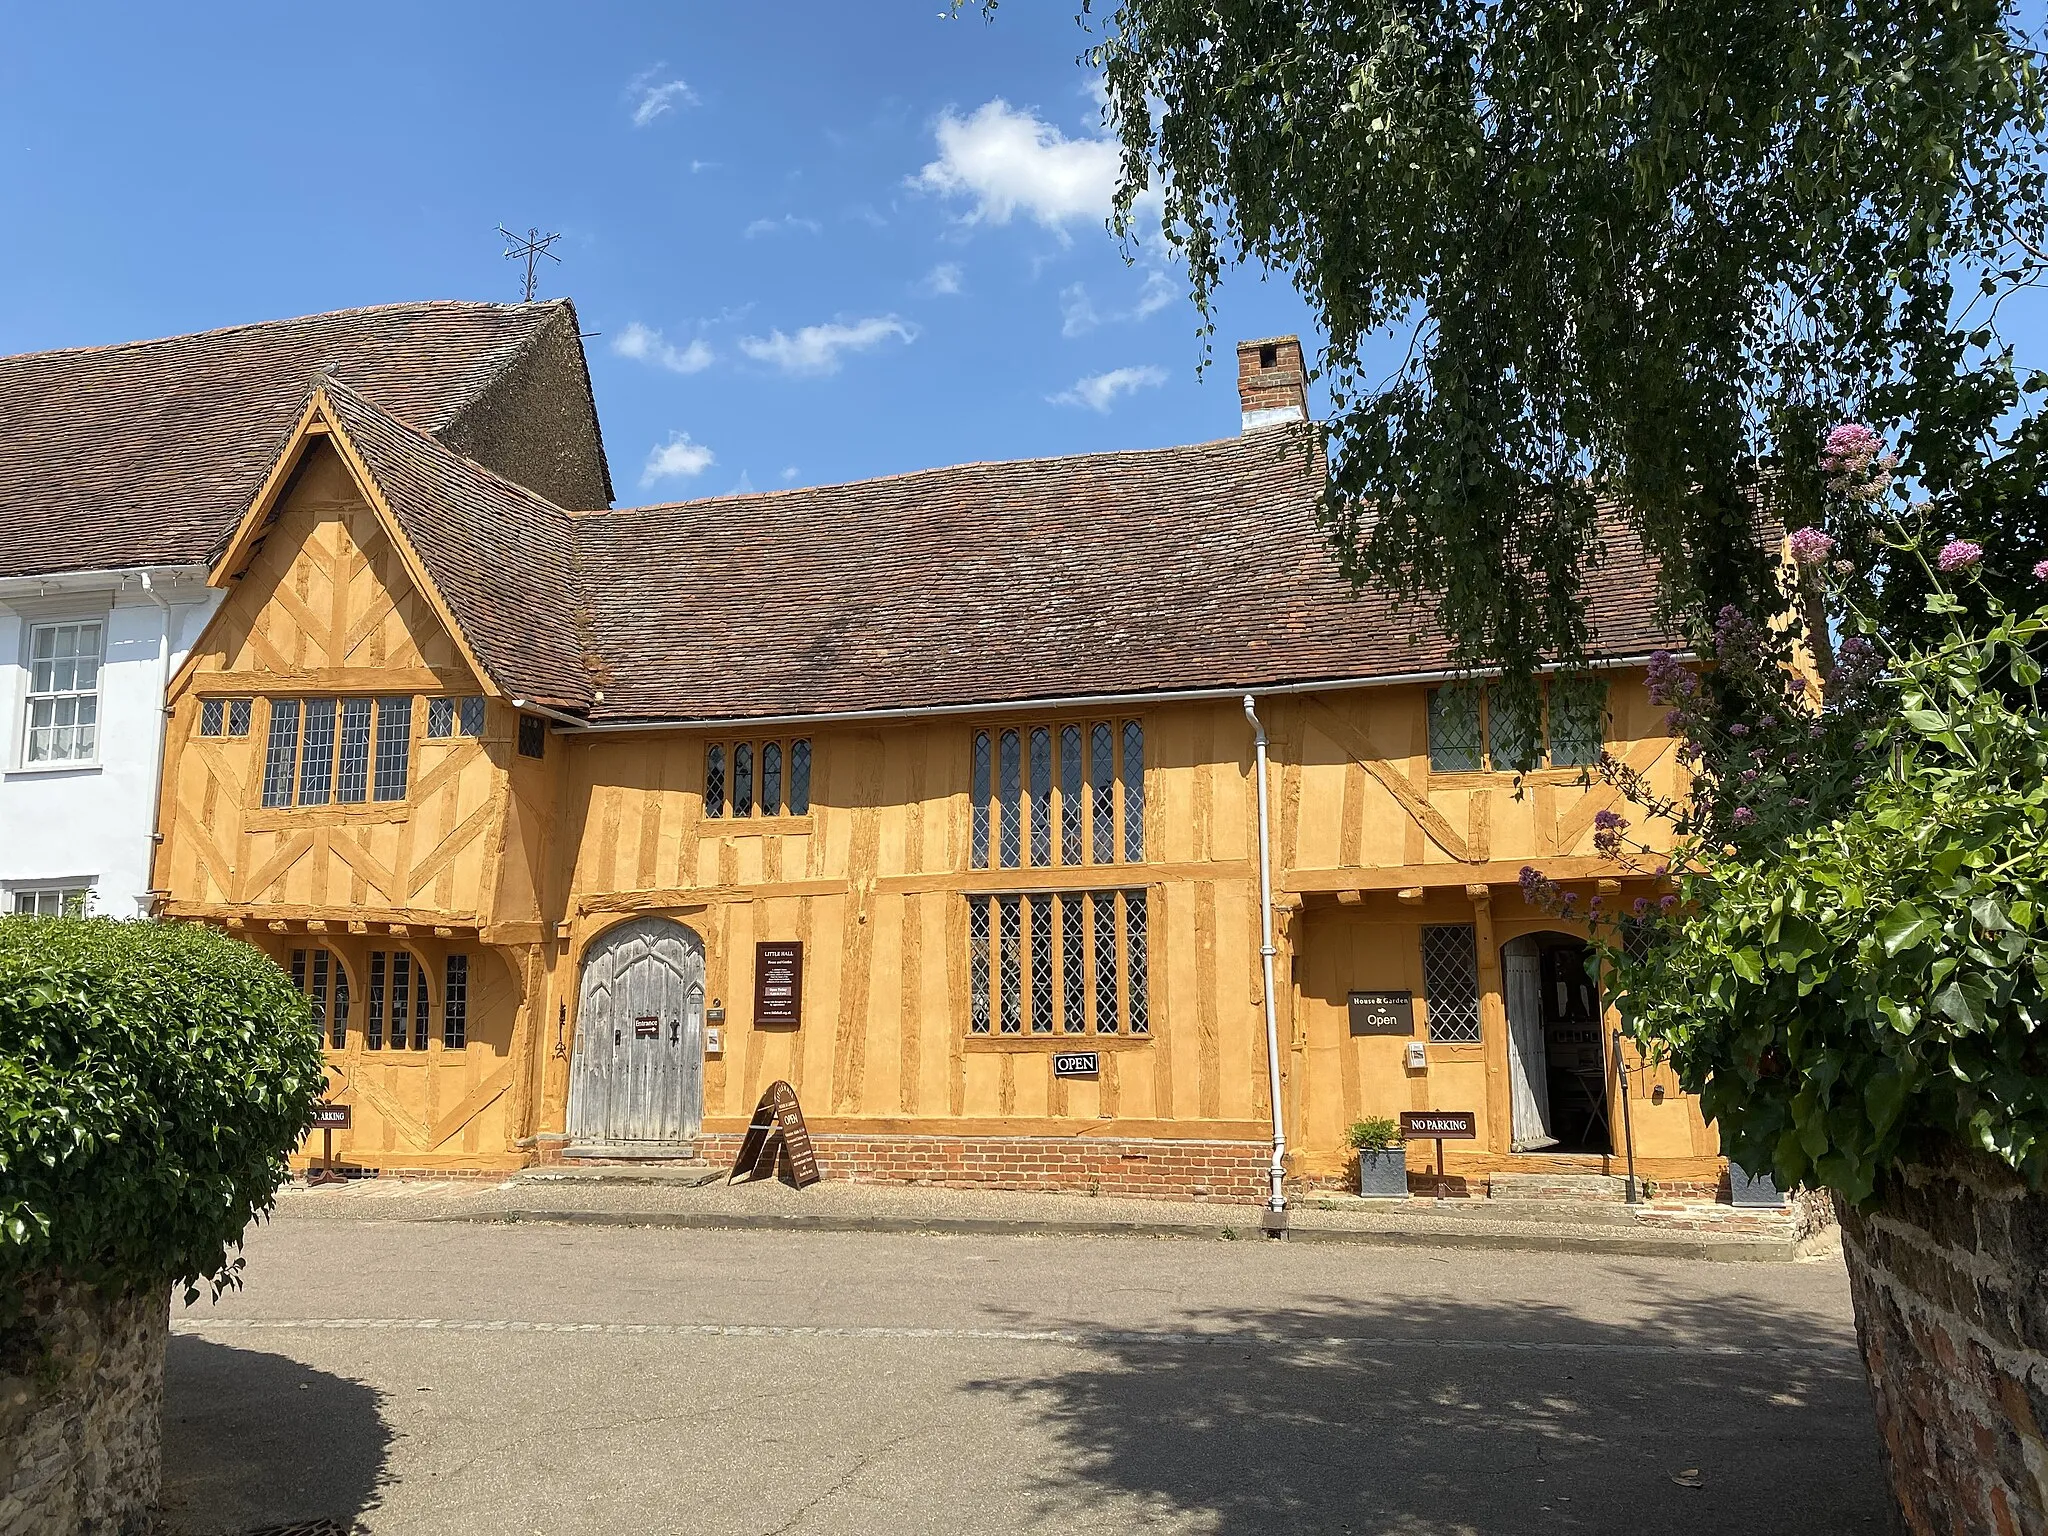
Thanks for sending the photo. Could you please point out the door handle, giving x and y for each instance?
(618, 1036)
(675, 1032)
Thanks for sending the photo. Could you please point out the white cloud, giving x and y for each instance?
(789, 473)
(816, 348)
(1099, 391)
(1157, 293)
(677, 459)
(944, 278)
(643, 344)
(653, 97)
(1008, 160)
(1077, 312)
(788, 221)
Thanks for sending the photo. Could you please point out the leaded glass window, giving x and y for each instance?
(373, 1023)
(1009, 796)
(1454, 741)
(977, 964)
(533, 736)
(1010, 921)
(1073, 964)
(473, 715)
(983, 773)
(422, 1006)
(743, 778)
(238, 717)
(1134, 792)
(316, 755)
(319, 975)
(401, 996)
(213, 714)
(440, 719)
(1070, 794)
(352, 773)
(1136, 979)
(282, 755)
(800, 777)
(1450, 982)
(337, 1022)
(455, 1003)
(1102, 915)
(1578, 721)
(1513, 742)
(394, 747)
(1102, 790)
(714, 780)
(771, 778)
(1041, 795)
(1041, 965)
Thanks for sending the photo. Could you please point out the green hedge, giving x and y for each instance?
(153, 1077)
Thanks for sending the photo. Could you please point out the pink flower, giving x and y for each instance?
(2041, 571)
(1743, 816)
(1855, 462)
(1959, 555)
(1811, 547)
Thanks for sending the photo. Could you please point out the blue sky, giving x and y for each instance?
(819, 241)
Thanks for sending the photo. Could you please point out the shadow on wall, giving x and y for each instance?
(1432, 1417)
(254, 1439)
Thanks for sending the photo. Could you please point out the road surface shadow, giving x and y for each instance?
(1430, 1416)
(253, 1439)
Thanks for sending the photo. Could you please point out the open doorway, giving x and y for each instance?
(1557, 1066)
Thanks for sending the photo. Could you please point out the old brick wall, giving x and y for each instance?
(1950, 1277)
(1125, 1168)
(81, 1411)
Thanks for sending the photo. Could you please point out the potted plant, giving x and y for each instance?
(1382, 1160)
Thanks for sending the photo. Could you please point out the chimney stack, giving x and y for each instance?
(1272, 384)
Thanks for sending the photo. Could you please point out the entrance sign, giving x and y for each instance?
(1440, 1126)
(778, 1125)
(779, 983)
(1076, 1064)
(1382, 1013)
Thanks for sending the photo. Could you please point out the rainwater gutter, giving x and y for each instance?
(1275, 1217)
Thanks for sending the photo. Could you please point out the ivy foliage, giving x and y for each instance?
(153, 1077)
(1634, 249)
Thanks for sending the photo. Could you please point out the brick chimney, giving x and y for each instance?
(1272, 384)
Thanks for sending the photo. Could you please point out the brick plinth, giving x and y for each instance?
(1126, 1168)
(1949, 1271)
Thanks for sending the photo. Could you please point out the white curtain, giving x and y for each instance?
(1528, 1073)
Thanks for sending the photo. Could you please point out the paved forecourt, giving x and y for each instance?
(435, 1376)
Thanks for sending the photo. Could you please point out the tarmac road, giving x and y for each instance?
(454, 1377)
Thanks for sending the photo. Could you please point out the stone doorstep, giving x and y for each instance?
(676, 1173)
(1602, 1188)
(627, 1152)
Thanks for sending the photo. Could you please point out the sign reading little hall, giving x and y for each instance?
(779, 983)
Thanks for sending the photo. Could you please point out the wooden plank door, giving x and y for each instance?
(638, 1072)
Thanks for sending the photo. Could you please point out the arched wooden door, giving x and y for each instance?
(638, 1072)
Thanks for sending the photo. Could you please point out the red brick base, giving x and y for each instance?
(1126, 1168)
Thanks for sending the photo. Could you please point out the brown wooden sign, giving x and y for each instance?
(327, 1119)
(779, 983)
(1440, 1125)
(332, 1117)
(778, 1124)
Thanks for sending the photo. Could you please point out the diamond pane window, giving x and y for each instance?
(1010, 916)
(352, 774)
(1009, 797)
(473, 715)
(1102, 791)
(771, 778)
(1512, 741)
(394, 747)
(421, 1006)
(1136, 988)
(533, 736)
(281, 759)
(1578, 721)
(743, 779)
(714, 780)
(455, 1003)
(1102, 912)
(1041, 965)
(440, 719)
(1454, 745)
(1450, 982)
(1134, 792)
(800, 777)
(1041, 795)
(977, 964)
(984, 768)
(238, 717)
(316, 755)
(1073, 965)
(213, 716)
(401, 996)
(337, 1022)
(1070, 794)
(64, 692)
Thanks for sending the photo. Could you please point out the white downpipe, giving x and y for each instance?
(163, 729)
(1277, 1174)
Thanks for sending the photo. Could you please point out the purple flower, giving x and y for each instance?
(1798, 803)
(1744, 816)
(1607, 829)
(1959, 555)
(1855, 463)
(1597, 904)
(1667, 904)
(1640, 906)
(1738, 729)
(2041, 571)
(1811, 547)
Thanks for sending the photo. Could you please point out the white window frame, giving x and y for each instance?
(31, 629)
(85, 884)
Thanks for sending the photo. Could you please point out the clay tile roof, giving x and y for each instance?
(500, 555)
(1175, 568)
(149, 451)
